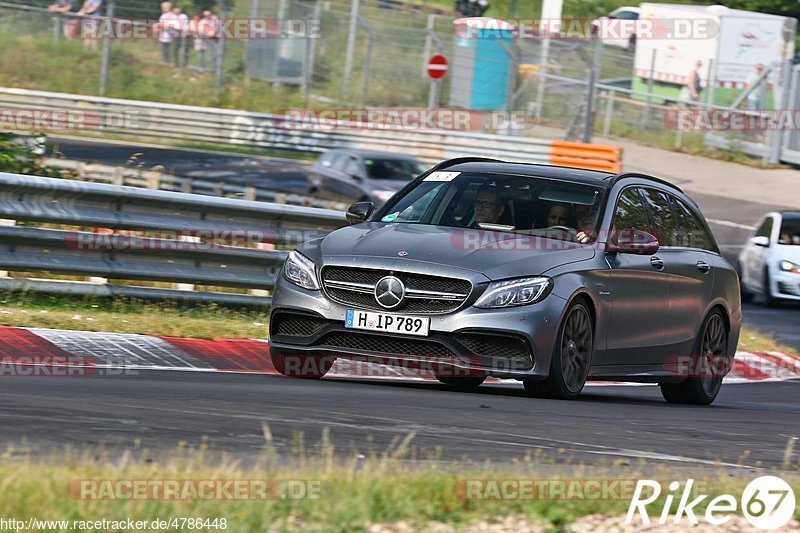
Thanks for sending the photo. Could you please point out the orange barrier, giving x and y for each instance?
(592, 156)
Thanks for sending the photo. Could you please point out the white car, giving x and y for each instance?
(769, 264)
(618, 28)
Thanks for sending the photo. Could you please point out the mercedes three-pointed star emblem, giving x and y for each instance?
(390, 292)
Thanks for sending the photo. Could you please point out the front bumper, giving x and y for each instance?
(785, 285)
(507, 343)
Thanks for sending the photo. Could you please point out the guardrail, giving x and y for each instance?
(164, 181)
(158, 121)
(197, 250)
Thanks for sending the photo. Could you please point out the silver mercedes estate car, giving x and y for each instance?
(548, 275)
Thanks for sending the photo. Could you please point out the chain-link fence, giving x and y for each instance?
(347, 54)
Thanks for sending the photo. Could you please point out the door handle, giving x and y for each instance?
(703, 267)
(657, 263)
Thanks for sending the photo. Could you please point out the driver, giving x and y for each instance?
(488, 207)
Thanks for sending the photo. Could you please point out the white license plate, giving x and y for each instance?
(404, 325)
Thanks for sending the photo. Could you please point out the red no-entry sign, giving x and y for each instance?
(437, 66)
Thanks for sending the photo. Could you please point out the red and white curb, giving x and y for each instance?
(38, 346)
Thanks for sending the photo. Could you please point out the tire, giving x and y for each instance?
(768, 300)
(747, 296)
(299, 366)
(572, 357)
(702, 390)
(462, 383)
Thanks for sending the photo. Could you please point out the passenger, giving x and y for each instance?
(585, 216)
(559, 215)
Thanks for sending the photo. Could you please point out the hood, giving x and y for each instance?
(496, 255)
(788, 252)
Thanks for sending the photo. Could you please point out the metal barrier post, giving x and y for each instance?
(610, 95)
(351, 47)
(104, 63)
(365, 74)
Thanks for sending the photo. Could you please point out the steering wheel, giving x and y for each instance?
(563, 228)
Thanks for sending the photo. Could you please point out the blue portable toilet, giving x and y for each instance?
(482, 73)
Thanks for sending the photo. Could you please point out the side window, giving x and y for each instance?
(629, 213)
(338, 162)
(693, 231)
(352, 166)
(662, 217)
(765, 230)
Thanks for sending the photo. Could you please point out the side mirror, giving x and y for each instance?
(358, 212)
(632, 241)
(760, 241)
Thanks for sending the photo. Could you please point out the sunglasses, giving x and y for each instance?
(485, 204)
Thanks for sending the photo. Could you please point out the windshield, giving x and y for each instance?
(790, 231)
(516, 204)
(393, 169)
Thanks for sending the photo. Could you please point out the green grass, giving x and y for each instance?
(130, 316)
(357, 487)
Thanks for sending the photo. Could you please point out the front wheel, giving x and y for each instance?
(768, 299)
(572, 357)
(299, 366)
(703, 387)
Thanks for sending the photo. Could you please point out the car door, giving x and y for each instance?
(691, 274)
(639, 287)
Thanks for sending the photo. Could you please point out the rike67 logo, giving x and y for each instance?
(767, 502)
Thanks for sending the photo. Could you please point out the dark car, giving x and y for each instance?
(352, 174)
(548, 275)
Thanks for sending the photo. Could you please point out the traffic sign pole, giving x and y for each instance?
(437, 68)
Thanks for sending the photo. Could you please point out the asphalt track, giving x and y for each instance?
(748, 427)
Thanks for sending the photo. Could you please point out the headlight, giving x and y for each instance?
(300, 270)
(788, 266)
(383, 195)
(514, 292)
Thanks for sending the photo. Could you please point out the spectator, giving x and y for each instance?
(208, 30)
(691, 91)
(754, 99)
(164, 30)
(61, 6)
(90, 10)
(180, 23)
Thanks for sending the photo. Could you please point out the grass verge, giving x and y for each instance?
(126, 316)
(131, 316)
(347, 491)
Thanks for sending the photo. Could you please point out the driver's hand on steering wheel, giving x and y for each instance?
(582, 237)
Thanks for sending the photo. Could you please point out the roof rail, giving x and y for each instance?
(459, 160)
(639, 175)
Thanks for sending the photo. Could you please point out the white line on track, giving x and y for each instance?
(730, 224)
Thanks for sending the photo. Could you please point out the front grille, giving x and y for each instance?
(789, 288)
(436, 285)
(296, 325)
(498, 350)
(382, 345)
